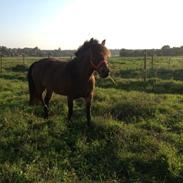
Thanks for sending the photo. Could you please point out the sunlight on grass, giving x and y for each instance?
(136, 133)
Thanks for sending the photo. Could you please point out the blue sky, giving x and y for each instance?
(50, 24)
(22, 20)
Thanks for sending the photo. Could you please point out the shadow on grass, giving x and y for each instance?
(92, 152)
(161, 73)
(17, 72)
(14, 76)
(12, 175)
(17, 68)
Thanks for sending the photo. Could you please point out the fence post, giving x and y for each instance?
(145, 65)
(169, 62)
(23, 59)
(152, 60)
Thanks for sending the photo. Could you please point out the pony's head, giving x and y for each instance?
(97, 54)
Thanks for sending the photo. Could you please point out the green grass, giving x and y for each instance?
(136, 134)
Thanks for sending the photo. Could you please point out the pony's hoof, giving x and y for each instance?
(69, 121)
(89, 124)
(31, 103)
(45, 116)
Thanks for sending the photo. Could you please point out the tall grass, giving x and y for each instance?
(136, 133)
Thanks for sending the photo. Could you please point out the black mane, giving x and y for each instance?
(87, 44)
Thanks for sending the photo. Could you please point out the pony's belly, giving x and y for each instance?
(75, 95)
(61, 92)
(74, 91)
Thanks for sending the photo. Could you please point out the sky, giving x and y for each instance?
(66, 24)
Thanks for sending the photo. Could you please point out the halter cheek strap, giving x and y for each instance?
(96, 67)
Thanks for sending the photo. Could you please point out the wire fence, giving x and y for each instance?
(9, 63)
(126, 67)
(147, 67)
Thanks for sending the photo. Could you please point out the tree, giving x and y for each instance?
(165, 47)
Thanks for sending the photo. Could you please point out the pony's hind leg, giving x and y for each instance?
(41, 97)
(45, 102)
(48, 97)
(31, 99)
(45, 108)
(35, 95)
(31, 85)
(34, 98)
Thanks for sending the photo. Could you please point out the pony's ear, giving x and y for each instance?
(103, 42)
(91, 40)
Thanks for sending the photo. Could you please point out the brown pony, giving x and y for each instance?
(73, 78)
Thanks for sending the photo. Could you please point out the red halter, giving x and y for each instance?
(96, 67)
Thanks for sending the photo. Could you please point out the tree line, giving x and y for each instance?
(4, 51)
(164, 51)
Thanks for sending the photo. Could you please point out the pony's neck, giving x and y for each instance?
(86, 69)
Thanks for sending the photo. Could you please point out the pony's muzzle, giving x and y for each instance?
(103, 72)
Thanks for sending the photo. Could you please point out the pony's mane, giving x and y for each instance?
(93, 44)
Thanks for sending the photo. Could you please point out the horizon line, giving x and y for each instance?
(78, 47)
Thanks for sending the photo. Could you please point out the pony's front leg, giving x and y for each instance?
(70, 107)
(88, 109)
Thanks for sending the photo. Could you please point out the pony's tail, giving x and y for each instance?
(31, 85)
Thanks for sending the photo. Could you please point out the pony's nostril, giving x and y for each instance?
(104, 73)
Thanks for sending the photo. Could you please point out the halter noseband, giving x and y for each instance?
(96, 67)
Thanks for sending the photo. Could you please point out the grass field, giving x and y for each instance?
(136, 134)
